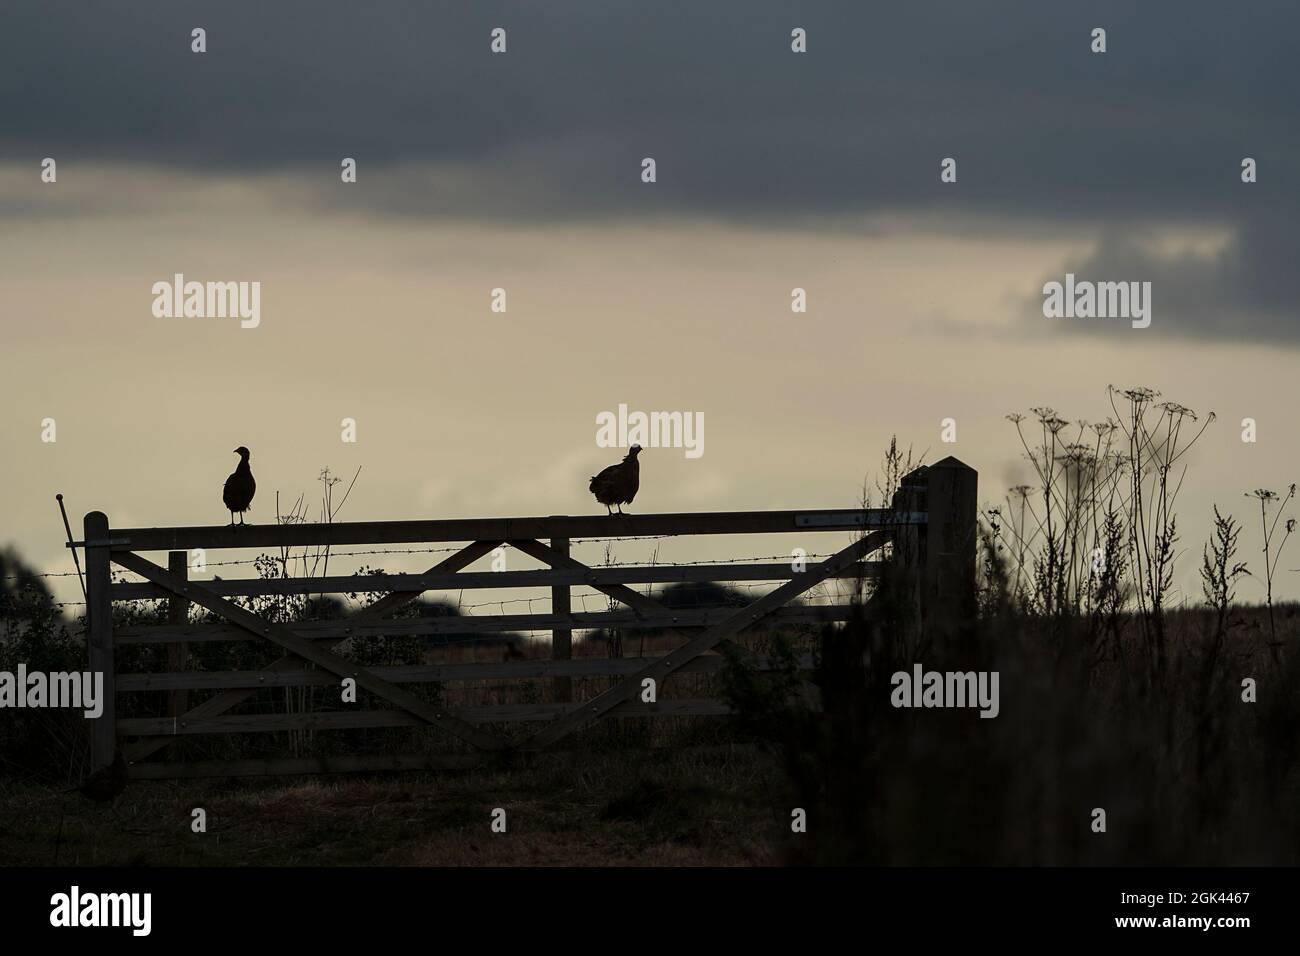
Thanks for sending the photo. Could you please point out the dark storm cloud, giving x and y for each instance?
(1246, 292)
(741, 127)
(711, 90)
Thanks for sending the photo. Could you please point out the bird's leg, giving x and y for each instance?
(241, 517)
(232, 519)
(620, 507)
(609, 509)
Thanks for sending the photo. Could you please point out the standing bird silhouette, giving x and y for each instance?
(240, 487)
(618, 484)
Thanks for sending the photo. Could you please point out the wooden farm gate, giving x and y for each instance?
(933, 512)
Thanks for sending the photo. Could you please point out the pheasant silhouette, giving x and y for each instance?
(618, 484)
(240, 487)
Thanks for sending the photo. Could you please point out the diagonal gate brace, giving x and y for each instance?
(218, 705)
(745, 617)
(641, 603)
(302, 648)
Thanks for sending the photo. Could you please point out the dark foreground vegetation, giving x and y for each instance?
(1179, 720)
(1188, 775)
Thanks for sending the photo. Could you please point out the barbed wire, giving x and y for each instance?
(704, 562)
(38, 574)
(306, 556)
(583, 597)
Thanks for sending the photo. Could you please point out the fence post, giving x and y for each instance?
(948, 573)
(178, 654)
(561, 637)
(99, 626)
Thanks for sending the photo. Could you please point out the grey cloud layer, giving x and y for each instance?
(711, 89)
(1248, 292)
(741, 127)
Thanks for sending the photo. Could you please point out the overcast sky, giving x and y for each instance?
(522, 171)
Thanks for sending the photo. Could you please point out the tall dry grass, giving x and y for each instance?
(1178, 721)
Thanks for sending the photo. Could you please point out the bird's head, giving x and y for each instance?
(634, 451)
(242, 452)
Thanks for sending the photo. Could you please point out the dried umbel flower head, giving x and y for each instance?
(1141, 395)
(1078, 455)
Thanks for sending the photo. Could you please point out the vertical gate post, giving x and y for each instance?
(99, 625)
(561, 637)
(948, 575)
(907, 574)
(178, 654)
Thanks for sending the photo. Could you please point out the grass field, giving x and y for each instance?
(701, 806)
(1191, 773)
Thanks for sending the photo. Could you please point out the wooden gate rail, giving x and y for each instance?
(224, 702)
(339, 533)
(665, 619)
(352, 720)
(478, 580)
(734, 624)
(422, 673)
(932, 518)
(313, 653)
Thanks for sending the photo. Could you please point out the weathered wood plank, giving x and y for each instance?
(488, 624)
(421, 673)
(337, 533)
(561, 637)
(643, 606)
(466, 556)
(178, 611)
(99, 626)
(369, 719)
(289, 766)
(740, 620)
(287, 639)
(479, 580)
(949, 551)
